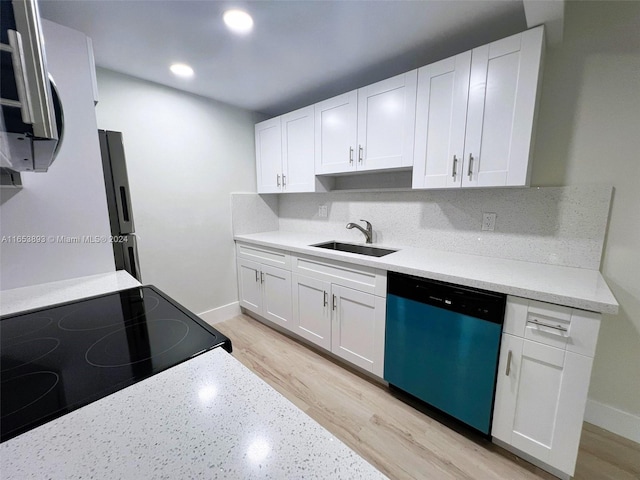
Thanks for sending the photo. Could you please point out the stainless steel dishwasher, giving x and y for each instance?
(442, 344)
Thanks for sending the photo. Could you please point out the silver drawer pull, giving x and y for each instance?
(555, 327)
(509, 363)
(455, 167)
(326, 299)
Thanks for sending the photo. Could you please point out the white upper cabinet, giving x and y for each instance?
(336, 133)
(499, 102)
(298, 151)
(441, 120)
(269, 156)
(386, 123)
(371, 128)
(285, 153)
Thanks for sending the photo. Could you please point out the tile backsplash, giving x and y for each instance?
(554, 225)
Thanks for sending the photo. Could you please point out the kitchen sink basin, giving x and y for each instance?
(353, 248)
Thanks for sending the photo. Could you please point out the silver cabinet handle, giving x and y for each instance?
(257, 279)
(335, 304)
(284, 180)
(470, 171)
(508, 363)
(19, 68)
(455, 167)
(351, 155)
(555, 327)
(277, 179)
(326, 299)
(360, 153)
(261, 277)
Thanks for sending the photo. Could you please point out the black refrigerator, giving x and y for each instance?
(125, 249)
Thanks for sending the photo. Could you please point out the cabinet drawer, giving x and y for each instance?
(553, 325)
(364, 279)
(264, 255)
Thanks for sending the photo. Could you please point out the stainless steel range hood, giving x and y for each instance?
(31, 128)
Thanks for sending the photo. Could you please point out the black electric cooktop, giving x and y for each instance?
(57, 359)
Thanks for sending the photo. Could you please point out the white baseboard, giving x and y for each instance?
(613, 419)
(221, 314)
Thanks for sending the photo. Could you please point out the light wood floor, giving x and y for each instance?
(400, 441)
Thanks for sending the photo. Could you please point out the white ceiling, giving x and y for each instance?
(299, 52)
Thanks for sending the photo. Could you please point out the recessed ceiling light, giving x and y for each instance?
(238, 21)
(182, 70)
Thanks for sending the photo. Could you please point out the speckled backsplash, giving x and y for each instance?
(554, 225)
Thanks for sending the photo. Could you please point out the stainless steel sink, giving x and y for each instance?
(352, 248)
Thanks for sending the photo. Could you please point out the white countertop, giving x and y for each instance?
(572, 287)
(209, 417)
(47, 294)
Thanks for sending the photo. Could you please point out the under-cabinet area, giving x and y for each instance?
(464, 121)
(341, 306)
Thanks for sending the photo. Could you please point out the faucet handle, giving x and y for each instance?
(368, 223)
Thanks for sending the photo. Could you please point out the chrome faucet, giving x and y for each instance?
(368, 233)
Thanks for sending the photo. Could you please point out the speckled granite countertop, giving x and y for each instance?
(47, 294)
(569, 286)
(209, 417)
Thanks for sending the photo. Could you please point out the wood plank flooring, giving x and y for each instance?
(400, 441)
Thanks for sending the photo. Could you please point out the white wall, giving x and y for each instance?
(185, 155)
(68, 200)
(589, 133)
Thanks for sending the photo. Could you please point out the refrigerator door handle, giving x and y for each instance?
(120, 181)
(131, 264)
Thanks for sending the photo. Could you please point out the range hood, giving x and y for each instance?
(32, 122)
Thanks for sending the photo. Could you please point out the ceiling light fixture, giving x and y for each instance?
(182, 70)
(238, 21)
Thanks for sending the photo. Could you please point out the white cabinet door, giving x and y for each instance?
(336, 133)
(503, 90)
(386, 123)
(358, 328)
(249, 286)
(276, 299)
(540, 404)
(441, 115)
(269, 156)
(312, 310)
(298, 150)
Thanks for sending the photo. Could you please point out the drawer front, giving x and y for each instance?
(561, 327)
(364, 279)
(548, 324)
(264, 255)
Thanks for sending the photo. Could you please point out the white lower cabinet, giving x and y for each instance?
(542, 384)
(337, 306)
(357, 329)
(312, 310)
(265, 290)
(348, 322)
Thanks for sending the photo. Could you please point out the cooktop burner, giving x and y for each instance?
(61, 358)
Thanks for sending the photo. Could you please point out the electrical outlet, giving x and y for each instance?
(322, 211)
(489, 221)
